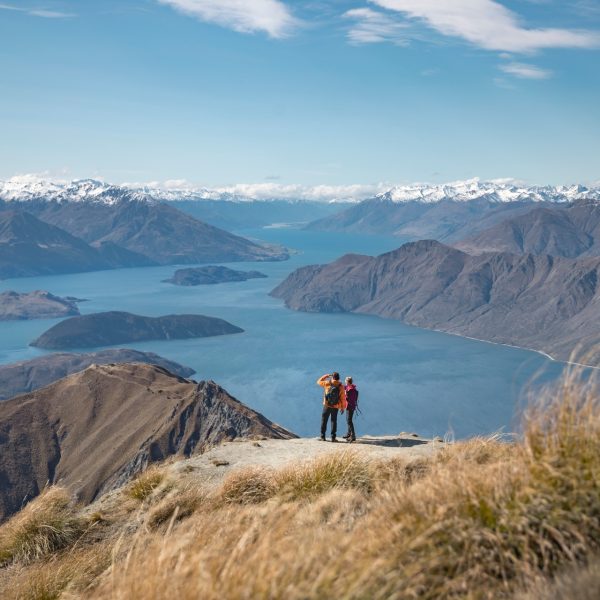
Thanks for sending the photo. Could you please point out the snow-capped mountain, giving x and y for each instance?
(30, 187)
(495, 191)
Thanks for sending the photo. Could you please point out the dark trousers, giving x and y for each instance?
(327, 411)
(349, 416)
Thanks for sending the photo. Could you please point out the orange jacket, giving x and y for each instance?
(326, 383)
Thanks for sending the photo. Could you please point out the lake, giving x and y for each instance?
(409, 379)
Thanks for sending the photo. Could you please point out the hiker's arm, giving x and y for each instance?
(321, 381)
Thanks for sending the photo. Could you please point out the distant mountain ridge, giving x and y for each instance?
(544, 303)
(572, 231)
(29, 375)
(30, 247)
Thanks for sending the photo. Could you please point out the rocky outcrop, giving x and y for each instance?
(211, 275)
(94, 430)
(114, 327)
(35, 305)
(27, 376)
(540, 302)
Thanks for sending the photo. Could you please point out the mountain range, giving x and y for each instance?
(94, 430)
(450, 212)
(542, 302)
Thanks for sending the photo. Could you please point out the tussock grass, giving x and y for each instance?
(67, 575)
(176, 507)
(248, 486)
(46, 524)
(340, 470)
(142, 487)
(580, 583)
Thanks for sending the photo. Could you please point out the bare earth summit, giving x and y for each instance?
(275, 454)
(211, 467)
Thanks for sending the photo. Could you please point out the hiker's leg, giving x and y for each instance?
(350, 422)
(324, 418)
(348, 417)
(334, 414)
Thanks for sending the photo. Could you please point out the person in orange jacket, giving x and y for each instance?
(334, 401)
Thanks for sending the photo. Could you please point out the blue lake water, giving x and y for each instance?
(409, 379)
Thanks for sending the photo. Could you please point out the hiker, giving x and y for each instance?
(352, 405)
(334, 400)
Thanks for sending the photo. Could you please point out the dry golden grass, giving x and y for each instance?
(145, 483)
(68, 573)
(176, 506)
(482, 519)
(45, 525)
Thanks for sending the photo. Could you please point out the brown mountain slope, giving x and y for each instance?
(28, 375)
(158, 231)
(93, 430)
(540, 302)
(570, 231)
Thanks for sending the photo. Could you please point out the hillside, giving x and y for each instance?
(157, 231)
(94, 430)
(571, 232)
(30, 247)
(539, 302)
(442, 220)
(29, 375)
(35, 305)
(114, 327)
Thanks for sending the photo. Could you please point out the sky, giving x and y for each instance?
(338, 92)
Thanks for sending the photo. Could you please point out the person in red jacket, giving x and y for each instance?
(334, 400)
(352, 405)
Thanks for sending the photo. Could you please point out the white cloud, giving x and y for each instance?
(245, 16)
(489, 25)
(373, 26)
(38, 12)
(526, 71)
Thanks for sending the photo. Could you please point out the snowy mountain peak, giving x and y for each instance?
(32, 187)
(502, 190)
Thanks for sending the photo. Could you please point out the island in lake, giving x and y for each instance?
(40, 304)
(210, 275)
(111, 328)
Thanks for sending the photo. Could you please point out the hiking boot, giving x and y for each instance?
(334, 439)
(346, 436)
(322, 439)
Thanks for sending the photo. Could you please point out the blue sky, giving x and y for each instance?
(226, 91)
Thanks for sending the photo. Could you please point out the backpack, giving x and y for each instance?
(332, 396)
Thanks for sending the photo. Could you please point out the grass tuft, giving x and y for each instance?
(145, 483)
(248, 486)
(45, 525)
(342, 470)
